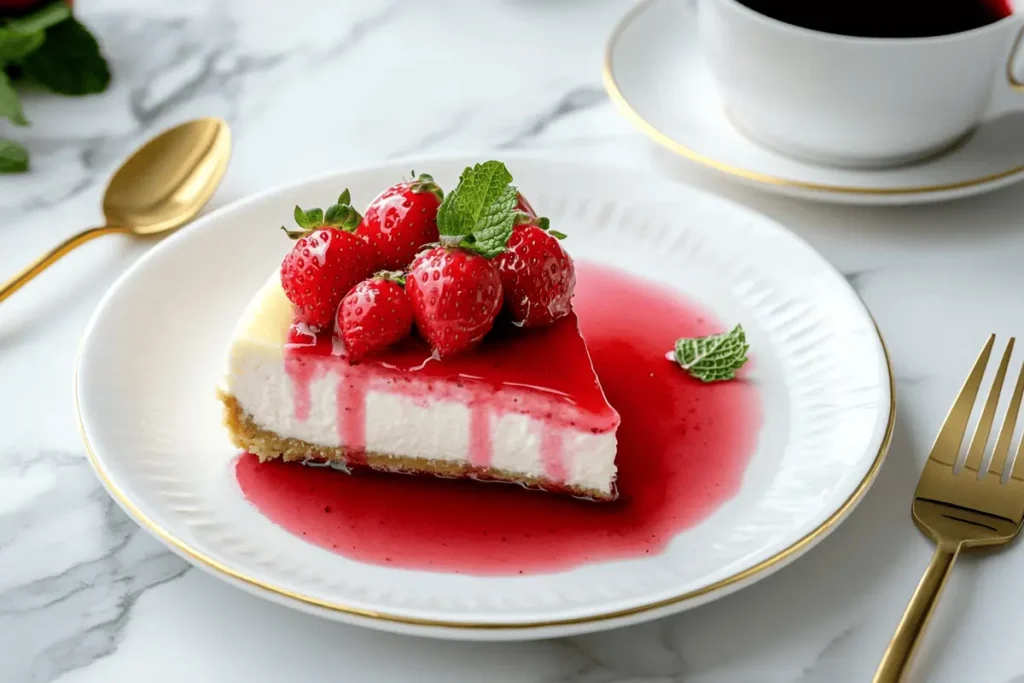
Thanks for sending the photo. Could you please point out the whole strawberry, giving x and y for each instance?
(328, 259)
(375, 314)
(455, 295)
(401, 220)
(537, 276)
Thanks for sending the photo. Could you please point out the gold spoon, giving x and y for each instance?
(160, 187)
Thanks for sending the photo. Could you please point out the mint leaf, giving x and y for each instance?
(42, 19)
(13, 157)
(10, 106)
(490, 235)
(308, 220)
(15, 45)
(469, 204)
(714, 358)
(69, 62)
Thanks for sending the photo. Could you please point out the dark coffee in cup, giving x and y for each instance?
(885, 18)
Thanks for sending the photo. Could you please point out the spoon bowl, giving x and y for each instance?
(162, 186)
(167, 181)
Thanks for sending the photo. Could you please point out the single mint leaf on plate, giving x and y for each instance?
(15, 44)
(69, 62)
(13, 157)
(41, 19)
(713, 358)
(10, 105)
(470, 203)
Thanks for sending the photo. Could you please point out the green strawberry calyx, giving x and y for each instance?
(339, 215)
(424, 182)
(543, 222)
(396, 276)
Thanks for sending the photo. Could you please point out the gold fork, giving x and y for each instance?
(961, 509)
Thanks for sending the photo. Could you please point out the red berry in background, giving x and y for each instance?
(325, 263)
(524, 206)
(537, 276)
(455, 295)
(375, 314)
(401, 220)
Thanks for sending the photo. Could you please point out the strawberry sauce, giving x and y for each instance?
(683, 448)
(541, 372)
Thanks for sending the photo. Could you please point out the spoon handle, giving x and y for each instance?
(44, 261)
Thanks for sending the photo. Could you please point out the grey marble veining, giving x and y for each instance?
(312, 85)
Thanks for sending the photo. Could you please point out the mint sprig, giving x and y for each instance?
(50, 48)
(17, 44)
(69, 61)
(479, 213)
(10, 106)
(713, 358)
(41, 19)
(13, 157)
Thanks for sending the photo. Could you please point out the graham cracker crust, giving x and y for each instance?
(267, 445)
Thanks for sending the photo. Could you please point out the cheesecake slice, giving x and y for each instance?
(525, 406)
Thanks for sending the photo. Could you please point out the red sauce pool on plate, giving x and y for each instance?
(683, 448)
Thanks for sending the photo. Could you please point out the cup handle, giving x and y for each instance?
(1015, 83)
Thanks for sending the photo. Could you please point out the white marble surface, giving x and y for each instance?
(311, 85)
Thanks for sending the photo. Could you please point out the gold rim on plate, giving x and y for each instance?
(665, 140)
(199, 558)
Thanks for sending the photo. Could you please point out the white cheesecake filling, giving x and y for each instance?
(402, 424)
(421, 420)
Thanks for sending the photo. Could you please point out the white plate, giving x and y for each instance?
(656, 74)
(153, 352)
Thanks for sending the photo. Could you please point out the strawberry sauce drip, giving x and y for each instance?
(683, 448)
(548, 361)
(552, 454)
(351, 419)
(481, 448)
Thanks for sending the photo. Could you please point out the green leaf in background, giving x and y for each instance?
(10, 106)
(13, 157)
(42, 19)
(15, 44)
(69, 62)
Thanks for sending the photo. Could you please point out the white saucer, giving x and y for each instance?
(655, 73)
(153, 353)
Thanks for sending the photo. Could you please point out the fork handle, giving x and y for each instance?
(896, 659)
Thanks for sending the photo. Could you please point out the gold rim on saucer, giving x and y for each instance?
(663, 139)
(201, 559)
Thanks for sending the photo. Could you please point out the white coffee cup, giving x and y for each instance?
(854, 101)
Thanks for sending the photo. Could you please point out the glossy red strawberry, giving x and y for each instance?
(537, 276)
(375, 314)
(325, 263)
(455, 295)
(401, 220)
